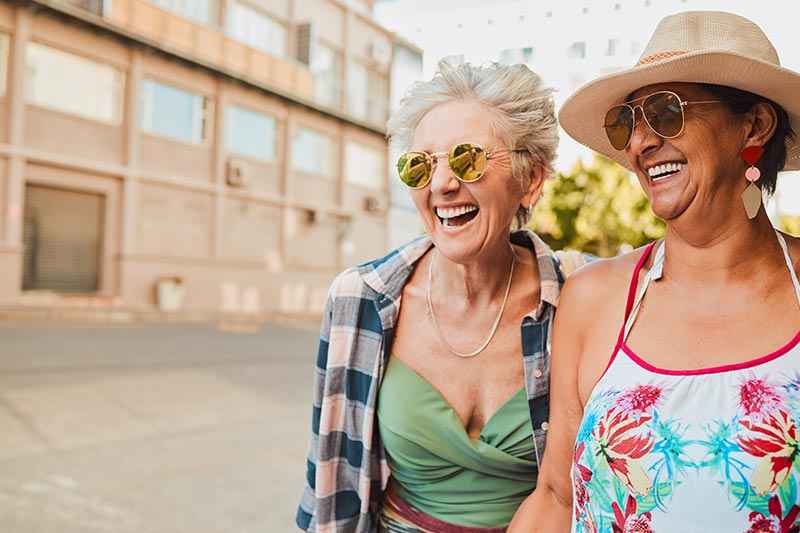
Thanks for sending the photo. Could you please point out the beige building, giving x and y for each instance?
(229, 151)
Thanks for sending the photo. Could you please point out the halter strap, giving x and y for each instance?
(796, 284)
(657, 270)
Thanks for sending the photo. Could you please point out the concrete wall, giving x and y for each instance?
(273, 245)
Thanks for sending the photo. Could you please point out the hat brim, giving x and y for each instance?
(582, 114)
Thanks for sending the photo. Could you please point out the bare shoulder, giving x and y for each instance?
(592, 305)
(590, 316)
(601, 282)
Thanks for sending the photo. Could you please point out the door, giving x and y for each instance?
(63, 238)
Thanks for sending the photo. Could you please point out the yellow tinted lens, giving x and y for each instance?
(664, 113)
(468, 161)
(414, 169)
(619, 126)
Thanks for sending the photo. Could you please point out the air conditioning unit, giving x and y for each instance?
(236, 173)
(312, 216)
(380, 51)
(375, 204)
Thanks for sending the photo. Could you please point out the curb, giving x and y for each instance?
(142, 316)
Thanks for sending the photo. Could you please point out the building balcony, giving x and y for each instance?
(206, 45)
(210, 46)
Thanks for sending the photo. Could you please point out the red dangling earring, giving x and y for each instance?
(752, 194)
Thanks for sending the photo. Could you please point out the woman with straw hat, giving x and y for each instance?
(676, 368)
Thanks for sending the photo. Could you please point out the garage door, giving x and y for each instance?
(63, 240)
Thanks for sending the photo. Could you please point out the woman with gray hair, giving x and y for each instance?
(431, 395)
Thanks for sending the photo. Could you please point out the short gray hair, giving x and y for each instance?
(522, 108)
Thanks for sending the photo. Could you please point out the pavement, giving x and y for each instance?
(153, 428)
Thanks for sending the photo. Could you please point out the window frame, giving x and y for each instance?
(252, 13)
(202, 112)
(118, 82)
(380, 170)
(181, 10)
(335, 155)
(5, 45)
(336, 75)
(276, 133)
(354, 106)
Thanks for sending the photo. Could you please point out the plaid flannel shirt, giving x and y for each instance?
(346, 468)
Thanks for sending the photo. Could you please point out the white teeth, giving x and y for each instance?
(667, 168)
(452, 212)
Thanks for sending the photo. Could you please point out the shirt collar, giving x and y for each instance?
(384, 279)
(549, 279)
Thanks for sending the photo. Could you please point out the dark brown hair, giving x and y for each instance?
(774, 159)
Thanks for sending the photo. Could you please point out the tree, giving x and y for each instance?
(598, 209)
(790, 224)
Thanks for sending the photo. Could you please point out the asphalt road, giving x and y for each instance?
(149, 429)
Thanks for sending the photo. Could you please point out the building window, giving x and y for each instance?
(256, 29)
(362, 6)
(172, 112)
(613, 47)
(196, 10)
(358, 90)
(577, 50)
(454, 59)
(250, 133)
(73, 84)
(364, 166)
(378, 98)
(327, 69)
(3, 62)
(313, 152)
(512, 56)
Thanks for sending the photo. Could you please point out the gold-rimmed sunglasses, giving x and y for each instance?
(467, 161)
(662, 111)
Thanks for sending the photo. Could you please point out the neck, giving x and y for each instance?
(476, 282)
(495, 324)
(741, 249)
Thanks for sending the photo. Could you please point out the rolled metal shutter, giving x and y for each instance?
(63, 240)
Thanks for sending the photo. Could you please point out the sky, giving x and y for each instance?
(480, 29)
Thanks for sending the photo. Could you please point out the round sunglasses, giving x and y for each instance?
(467, 161)
(662, 111)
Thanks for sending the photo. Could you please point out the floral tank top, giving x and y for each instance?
(716, 449)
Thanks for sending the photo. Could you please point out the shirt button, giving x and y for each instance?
(545, 426)
(537, 373)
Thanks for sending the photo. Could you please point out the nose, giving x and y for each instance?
(643, 138)
(443, 180)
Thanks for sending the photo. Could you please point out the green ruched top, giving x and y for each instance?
(438, 469)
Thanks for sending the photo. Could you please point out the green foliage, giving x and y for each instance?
(790, 224)
(598, 209)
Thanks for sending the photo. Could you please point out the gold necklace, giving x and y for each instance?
(496, 322)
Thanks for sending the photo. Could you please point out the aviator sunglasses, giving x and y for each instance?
(662, 111)
(467, 161)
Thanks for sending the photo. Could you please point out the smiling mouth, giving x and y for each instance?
(454, 217)
(660, 172)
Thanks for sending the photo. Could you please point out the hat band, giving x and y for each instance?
(659, 56)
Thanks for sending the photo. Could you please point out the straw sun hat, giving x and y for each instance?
(697, 47)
